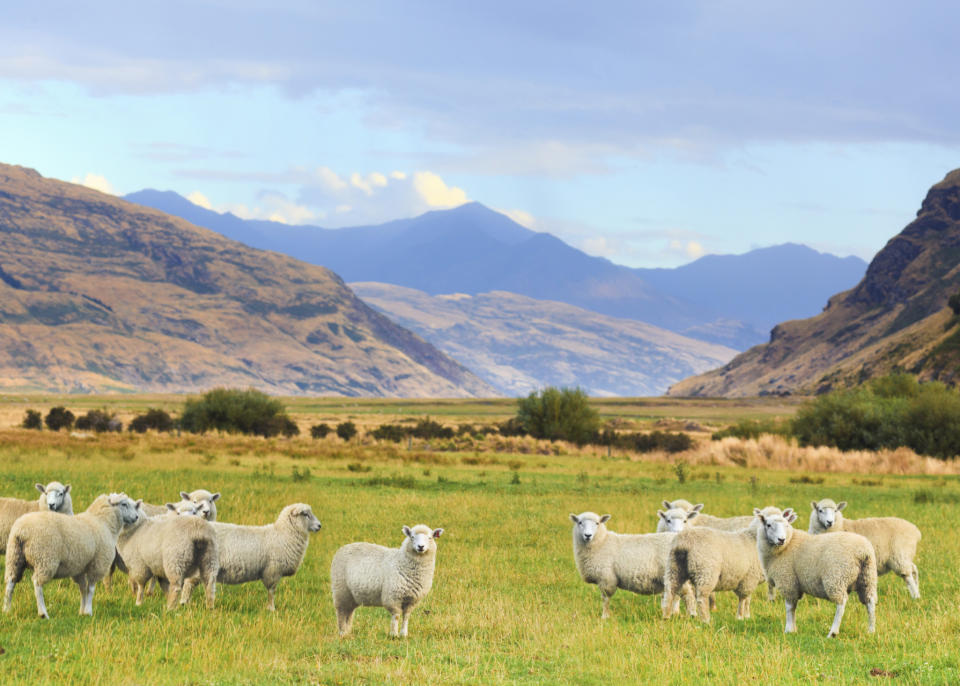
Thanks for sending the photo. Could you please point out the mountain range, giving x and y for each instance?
(100, 294)
(896, 318)
(732, 300)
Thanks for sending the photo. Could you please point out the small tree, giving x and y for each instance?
(320, 430)
(33, 420)
(346, 430)
(559, 414)
(98, 421)
(237, 411)
(158, 420)
(59, 418)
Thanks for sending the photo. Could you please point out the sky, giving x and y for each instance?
(648, 133)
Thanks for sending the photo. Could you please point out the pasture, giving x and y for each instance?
(507, 604)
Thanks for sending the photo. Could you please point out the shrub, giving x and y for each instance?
(59, 418)
(390, 432)
(661, 440)
(33, 420)
(320, 430)
(158, 420)
(559, 414)
(346, 430)
(98, 421)
(751, 428)
(511, 428)
(427, 429)
(237, 411)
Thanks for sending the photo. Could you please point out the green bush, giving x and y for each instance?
(752, 428)
(320, 430)
(59, 418)
(33, 420)
(236, 411)
(661, 440)
(158, 420)
(390, 432)
(559, 414)
(346, 430)
(427, 429)
(511, 427)
(99, 421)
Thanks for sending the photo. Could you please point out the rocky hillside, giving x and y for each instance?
(518, 344)
(895, 318)
(99, 294)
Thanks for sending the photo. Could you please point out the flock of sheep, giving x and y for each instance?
(182, 544)
(693, 555)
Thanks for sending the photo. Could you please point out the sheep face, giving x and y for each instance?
(776, 525)
(676, 519)
(129, 511)
(586, 525)
(302, 515)
(185, 508)
(56, 494)
(827, 511)
(422, 538)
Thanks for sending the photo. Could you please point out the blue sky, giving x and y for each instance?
(650, 133)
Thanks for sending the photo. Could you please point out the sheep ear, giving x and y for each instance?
(41, 488)
(215, 496)
(697, 507)
(757, 513)
(604, 519)
(666, 504)
(184, 495)
(437, 533)
(842, 504)
(813, 506)
(692, 514)
(171, 507)
(574, 518)
(790, 515)
(661, 514)
(67, 489)
(407, 531)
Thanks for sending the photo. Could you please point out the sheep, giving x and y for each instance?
(266, 553)
(674, 519)
(54, 497)
(80, 547)
(894, 540)
(680, 504)
(206, 500)
(713, 560)
(170, 549)
(633, 562)
(825, 566)
(722, 523)
(366, 574)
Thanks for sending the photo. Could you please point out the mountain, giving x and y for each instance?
(472, 249)
(518, 344)
(99, 294)
(896, 318)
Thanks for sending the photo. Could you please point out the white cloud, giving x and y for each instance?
(522, 217)
(97, 182)
(691, 249)
(199, 199)
(275, 207)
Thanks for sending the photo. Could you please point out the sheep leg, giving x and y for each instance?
(606, 604)
(743, 608)
(406, 619)
(173, 593)
(912, 579)
(270, 591)
(837, 618)
(210, 589)
(188, 589)
(791, 625)
(703, 606)
(138, 589)
(689, 600)
(713, 601)
(38, 592)
(8, 596)
(87, 600)
(345, 618)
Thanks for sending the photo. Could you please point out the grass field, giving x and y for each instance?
(507, 605)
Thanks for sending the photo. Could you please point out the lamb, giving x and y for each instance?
(55, 547)
(54, 497)
(266, 553)
(376, 576)
(170, 549)
(206, 500)
(713, 560)
(826, 566)
(633, 562)
(894, 540)
(674, 519)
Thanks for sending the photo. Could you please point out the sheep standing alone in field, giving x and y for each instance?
(713, 560)
(54, 497)
(825, 566)
(894, 540)
(171, 549)
(80, 547)
(265, 553)
(633, 562)
(366, 574)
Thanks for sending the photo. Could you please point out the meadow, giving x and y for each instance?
(507, 604)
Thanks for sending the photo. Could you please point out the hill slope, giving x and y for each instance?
(518, 344)
(472, 249)
(895, 318)
(97, 293)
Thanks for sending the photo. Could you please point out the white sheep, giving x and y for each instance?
(205, 500)
(633, 562)
(674, 519)
(265, 553)
(170, 549)
(826, 566)
(723, 523)
(714, 560)
(371, 575)
(54, 497)
(680, 504)
(894, 540)
(80, 547)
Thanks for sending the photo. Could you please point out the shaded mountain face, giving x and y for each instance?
(518, 344)
(894, 319)
(732, 300)
(100, 294)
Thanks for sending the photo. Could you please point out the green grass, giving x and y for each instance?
(507, 607)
